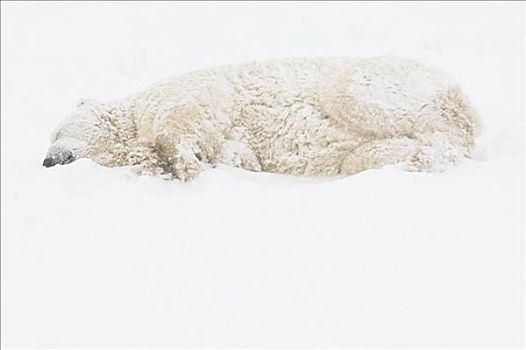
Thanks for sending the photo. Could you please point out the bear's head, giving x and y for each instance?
(93, 130)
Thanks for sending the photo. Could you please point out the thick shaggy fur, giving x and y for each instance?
(312, 117)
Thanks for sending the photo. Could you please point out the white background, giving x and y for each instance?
(99, 257)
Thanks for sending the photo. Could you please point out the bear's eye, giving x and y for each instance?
(57, 135)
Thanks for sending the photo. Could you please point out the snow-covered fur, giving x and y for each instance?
(312, 117)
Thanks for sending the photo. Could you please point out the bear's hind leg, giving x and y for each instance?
(437, 150)
(378, 153)
(427, 152)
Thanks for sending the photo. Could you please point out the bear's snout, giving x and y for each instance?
(49, 162)
(62, 158)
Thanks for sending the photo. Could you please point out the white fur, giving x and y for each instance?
(313, 117)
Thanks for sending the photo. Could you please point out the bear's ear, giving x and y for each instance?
(85, 101)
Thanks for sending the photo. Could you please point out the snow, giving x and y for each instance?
(98, 257)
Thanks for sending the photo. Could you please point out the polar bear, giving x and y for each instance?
(311, 117)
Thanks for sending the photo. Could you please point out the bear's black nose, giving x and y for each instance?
(49, 162)
(64, 157)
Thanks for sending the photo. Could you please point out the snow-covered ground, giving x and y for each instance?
(94, 257)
